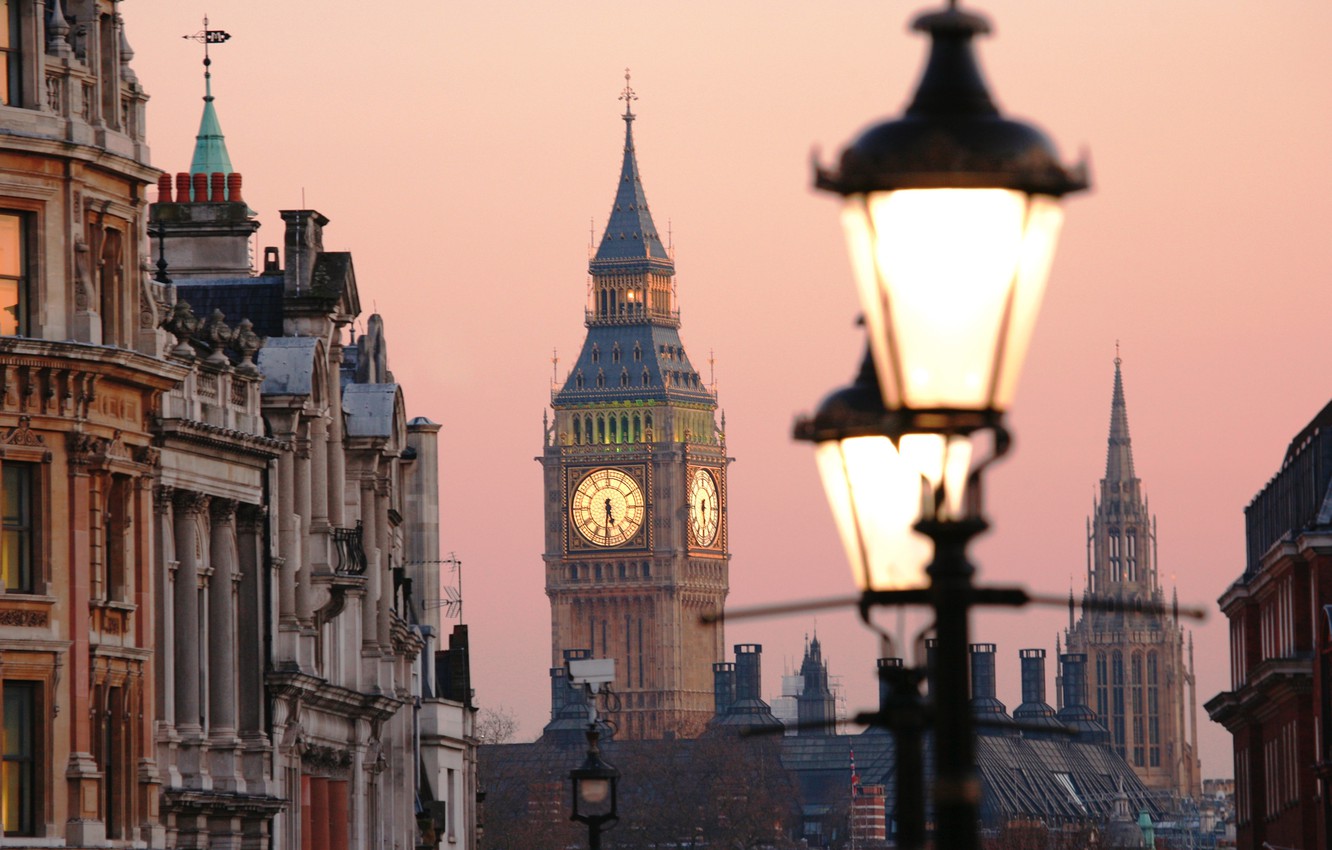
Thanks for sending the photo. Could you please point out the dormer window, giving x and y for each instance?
(638, 353)
(596, 354)
(601, 379)
(647, 378)
(615, 353)
(624, 377)
(578, 380)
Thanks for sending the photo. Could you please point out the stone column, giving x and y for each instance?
(302, 506)
(319, 477)
(190, 510)
(287, 538)
(370, 520)
(221, 619)
(384, 543)
(337, 459)
(164, 587)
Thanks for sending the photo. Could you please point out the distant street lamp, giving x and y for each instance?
(951, 215)
(594, 791)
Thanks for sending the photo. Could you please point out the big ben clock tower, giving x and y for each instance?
(635, 485)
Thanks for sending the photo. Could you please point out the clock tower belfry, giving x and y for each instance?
(634, 469)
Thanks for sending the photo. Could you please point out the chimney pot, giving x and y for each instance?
(183, 188)
(164, 189)
(218, 182)
(234, 187)
(200, 187)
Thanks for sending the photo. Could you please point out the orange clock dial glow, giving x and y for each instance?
(704, 507)
(607, 507)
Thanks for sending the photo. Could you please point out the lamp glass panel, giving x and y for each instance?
(943, 462)
(936, 269)
(1044, 218)
(593, 791)
(875, 499)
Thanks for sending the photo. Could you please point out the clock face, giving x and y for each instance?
(704, 507)
(607, 507)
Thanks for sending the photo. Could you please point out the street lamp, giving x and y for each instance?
(594, 791)
(951, 214)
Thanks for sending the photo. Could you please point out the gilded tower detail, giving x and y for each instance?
(635, 486)
(1139, 670)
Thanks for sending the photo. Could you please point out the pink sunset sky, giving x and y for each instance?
(462, 149)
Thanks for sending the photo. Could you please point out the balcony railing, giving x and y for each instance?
(351, 550)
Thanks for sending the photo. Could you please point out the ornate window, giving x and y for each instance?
(13, 274)
(20, 776)
(638, 352)
(18, 535)
(596, 353)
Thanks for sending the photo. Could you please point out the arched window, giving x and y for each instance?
(614, 430)
(1118, 728)
(1131, 555)
(1153, 711)
(647, 377)
(1102, 689)
(624, 427)
(601, 378)
(1139, 732)
(578, 431)
(601, 429)
(615, 353)
(638, 428)
(647, 426)
(578, 379)
(596, 353)
(638, 352)
(624, 376)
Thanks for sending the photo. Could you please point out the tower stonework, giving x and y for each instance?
(634, 470)
(1139, 672)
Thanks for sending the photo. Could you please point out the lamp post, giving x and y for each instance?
(951, 214)
(594, 791)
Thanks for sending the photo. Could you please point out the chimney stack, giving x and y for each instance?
(723, 686)
(990, 713)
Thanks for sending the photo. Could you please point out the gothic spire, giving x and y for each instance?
(1119, 452)
(630, 232)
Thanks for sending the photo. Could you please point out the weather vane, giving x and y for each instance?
(206, 37)
(628, 94)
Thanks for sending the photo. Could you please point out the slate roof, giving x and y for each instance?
(258, 299)
(630, 232)
(288, 366)
(1020, 776)
(369, 409)
(1057, 781)
(663, 358)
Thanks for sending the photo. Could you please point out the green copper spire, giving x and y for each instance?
(210, 146)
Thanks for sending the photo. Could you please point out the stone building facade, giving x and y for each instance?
(216, 545)
(1278, 708)
(634, 474)
(80, 386)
